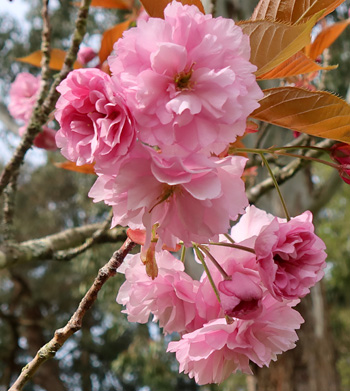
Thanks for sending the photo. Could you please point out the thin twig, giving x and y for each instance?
(213, 260)
(50, 349)
(43, 109)
(275, 182)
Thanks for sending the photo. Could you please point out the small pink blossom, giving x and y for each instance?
(170, 297)
(44, 140)
(291, 257)
(187, 79)
(23, 94)
(85, 55)
(211, 353)
(96, 126)
(191, 200)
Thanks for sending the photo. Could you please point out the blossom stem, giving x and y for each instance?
(210, 278)
(278, 151)
(215, 262)
(233, 245)
(276, 186)
(183, 254)
(228, 237)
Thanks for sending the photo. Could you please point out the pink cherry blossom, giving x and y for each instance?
(170, 297)
(240, 297)
(291, 257)
(191, 200)
(241, 294)
(85, 55)
(250, 224)
(96, 126)
(23, 94)
(211, 353)
(44, 140)
(187, 79)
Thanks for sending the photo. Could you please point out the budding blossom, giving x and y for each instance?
(340, 153)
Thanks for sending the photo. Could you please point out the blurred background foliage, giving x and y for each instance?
(109, 353)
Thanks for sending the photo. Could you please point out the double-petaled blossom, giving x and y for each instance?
(187, 79)
(191, 200)
(211, 353)
(291, 257)
(96, 126)
(170, 297)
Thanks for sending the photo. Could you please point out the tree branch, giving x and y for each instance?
(50, 349)
(43, 108)
(46, 248)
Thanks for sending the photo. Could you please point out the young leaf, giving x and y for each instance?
(119, 4)
(325, 38)
(110, 37)
(296, 65)
(56, 60)
(272, 43)
(318, 113)
(293, 11)
(155, 8)
(71, 166)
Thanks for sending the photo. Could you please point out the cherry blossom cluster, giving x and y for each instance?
(250, 317)
(180, 91)
(156, 130)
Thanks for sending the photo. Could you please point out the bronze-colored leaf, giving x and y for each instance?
(110, 37)
(119, 4)
(296, 65)
(71, 166)
(293, 11)
(317, 113)
(155, 8)
(272, 42)
(325, 38)
(57, 57)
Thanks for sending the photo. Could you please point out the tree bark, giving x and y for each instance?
(311, 365)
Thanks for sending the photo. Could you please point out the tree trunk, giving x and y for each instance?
(311, 365)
